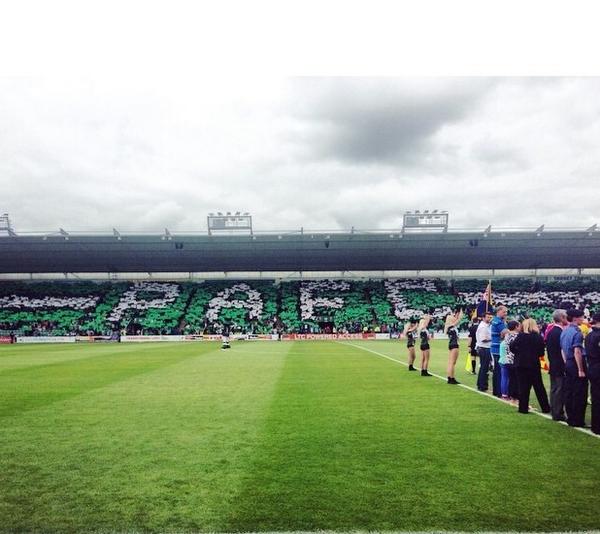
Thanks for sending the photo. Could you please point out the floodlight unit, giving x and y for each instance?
(229, 224)
(419, 221)
(5, 227)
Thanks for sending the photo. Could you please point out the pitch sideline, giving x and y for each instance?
(534, 411)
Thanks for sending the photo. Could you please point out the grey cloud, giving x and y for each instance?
(495, 157)
(380, 120)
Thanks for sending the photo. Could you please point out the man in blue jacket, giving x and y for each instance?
(576, 382)
(498, 329)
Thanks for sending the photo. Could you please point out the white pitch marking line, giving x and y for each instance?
(534, 411)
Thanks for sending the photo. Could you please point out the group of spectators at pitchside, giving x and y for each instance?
(514, 351)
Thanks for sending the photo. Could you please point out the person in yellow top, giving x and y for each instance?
(585, 328)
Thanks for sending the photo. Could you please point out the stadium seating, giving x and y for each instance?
(289, 315)
(414, 298)
(340, 305)
(535, 299)
(65, 308)
(56, 308)
(97, 321)
(151, 307)
(244, 306)
(382, 308)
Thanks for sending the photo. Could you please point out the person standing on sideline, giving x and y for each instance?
(592, 349)
(425, 336)
(472, 343)
(225, 332)
(557, 364)
(484, 340)
(507, 362)
(410, 331)
(527, 347)
(575, 384)
(451, 330)
(498, 328)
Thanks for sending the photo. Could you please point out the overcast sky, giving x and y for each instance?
(322, 153)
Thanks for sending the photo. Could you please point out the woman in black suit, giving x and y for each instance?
(527, 347)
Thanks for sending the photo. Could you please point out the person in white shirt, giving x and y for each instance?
(483, 337)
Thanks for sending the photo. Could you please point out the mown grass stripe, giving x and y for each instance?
(54, 382)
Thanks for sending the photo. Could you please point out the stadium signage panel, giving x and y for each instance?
(95, 339)
(45, 339)
(5, 340)
(212, 337)
(257, 337)
(193, 337)
(225, 223)
(229, 223)
(300, 337)
(426, 220)
(142, 339)
(171, 338)
(382, 336)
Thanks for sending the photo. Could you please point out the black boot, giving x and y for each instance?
(452, 380)
(424, 372)
(411, 367)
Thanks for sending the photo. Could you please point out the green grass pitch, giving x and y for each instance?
(275, 437)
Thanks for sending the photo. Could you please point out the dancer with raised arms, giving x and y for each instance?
(410, 331)
(451, 330)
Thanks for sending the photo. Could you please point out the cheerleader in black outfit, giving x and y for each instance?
(410, 331)
(425, 336)
(451, 330)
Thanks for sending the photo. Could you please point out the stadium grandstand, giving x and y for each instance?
(304, 282)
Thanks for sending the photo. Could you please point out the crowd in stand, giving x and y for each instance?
(515, 351)
(262, 307)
